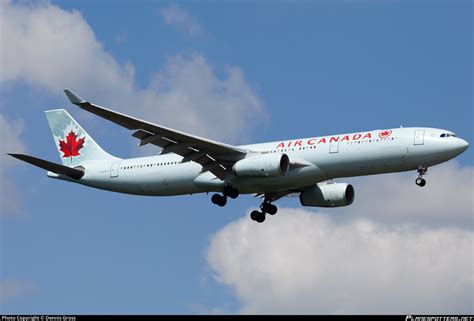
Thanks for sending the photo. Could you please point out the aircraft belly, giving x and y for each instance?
(170, 181)
(176, 181)
(295, 178)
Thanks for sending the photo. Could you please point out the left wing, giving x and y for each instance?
(214, 156)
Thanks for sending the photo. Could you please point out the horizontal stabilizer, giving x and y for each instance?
(50, 166)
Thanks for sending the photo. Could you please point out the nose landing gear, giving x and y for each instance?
(420, 181)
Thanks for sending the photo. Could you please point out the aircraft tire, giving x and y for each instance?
(269, 208)
(215, 199)
(257, 216)
(272, 209)
(420, 182)
(231, 192)
(222, 201)
(219, 200)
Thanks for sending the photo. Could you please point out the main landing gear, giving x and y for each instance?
(259, 216)
(266, 208)
(420, 181)
(221, 200)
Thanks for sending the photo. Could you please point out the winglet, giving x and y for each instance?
(73, 98)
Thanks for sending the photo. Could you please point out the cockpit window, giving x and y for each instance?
(447, 135)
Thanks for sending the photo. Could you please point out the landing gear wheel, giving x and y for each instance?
(272, 210)
(215, 199)
(223, 201)
(257, 216)
(269, 208)
(420, 182)
(219, 200)
(231, 192)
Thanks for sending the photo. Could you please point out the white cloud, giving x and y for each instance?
(12, 288)
(447, 199)
(52, 49)
(188, 87)
(411, 246)
(177, 17)
(11, 143)
(305, 263)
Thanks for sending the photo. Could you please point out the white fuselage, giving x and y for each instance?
(328, 157)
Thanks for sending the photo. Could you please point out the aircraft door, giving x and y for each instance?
(419, 137)
(333, 147)
(114, 170)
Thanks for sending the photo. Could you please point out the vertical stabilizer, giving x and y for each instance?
(74, 145)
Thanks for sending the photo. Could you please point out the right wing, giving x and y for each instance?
(214, 156)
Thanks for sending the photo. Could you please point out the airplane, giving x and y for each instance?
(188, 164)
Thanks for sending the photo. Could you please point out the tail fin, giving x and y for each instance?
(75, 146)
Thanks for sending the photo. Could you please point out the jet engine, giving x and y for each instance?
(263, 165)
(329, 195)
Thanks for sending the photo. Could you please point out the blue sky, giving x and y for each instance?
(241, 72)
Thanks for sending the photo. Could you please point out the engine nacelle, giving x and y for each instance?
(329, 195)
(264, 165)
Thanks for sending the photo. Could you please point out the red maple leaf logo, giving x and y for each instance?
(385, 133)
(71, 147)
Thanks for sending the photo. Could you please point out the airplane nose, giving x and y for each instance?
(461, 145)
